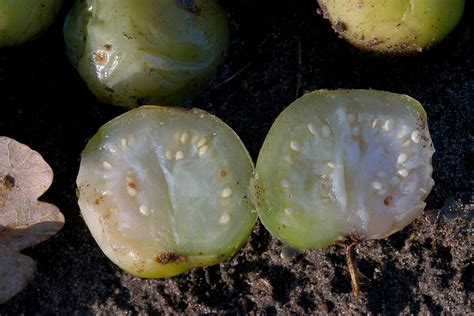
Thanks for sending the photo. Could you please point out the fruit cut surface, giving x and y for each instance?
(344, 162)
(163, 190)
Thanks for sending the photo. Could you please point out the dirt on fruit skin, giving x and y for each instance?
(279, 50)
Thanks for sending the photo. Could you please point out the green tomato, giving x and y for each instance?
(163, 190)
(395, 26)
(24, 20)
(146, 51)
(344, 163)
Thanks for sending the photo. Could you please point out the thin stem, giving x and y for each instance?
(353, 270)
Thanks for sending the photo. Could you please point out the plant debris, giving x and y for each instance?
(24, 221)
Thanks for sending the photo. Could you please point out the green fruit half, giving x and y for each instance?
(395, 26)
(24, 20)
(341, 163)
(163, 190)
(146, 51)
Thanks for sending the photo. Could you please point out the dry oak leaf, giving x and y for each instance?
(24, 221)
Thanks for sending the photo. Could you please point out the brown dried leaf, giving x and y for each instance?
(24, 221)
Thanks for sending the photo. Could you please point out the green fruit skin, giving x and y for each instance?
(289, 230)
(297, 232)
(395, 26)
(146, 51)
(190, 259)
(159, 271)
(23, 20)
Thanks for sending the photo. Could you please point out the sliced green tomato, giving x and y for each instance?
(24, 20)
(164, 190)
(146, 51)
(400, 26)
(344, 162)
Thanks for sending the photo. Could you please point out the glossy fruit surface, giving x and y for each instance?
(341, 163)
(395, 26)
(146, 51)
(164, 190)
(23, 20)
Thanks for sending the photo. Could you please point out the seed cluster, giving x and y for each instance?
(200, 146)
(297, 148)
(184, 138)
(356, 124)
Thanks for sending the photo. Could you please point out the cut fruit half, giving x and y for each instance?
(344, 163)
(164, 190)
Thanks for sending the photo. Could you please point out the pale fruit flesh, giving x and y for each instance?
(341, 163)
(163, 190)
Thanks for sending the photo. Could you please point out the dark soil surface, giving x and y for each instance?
(279, 50)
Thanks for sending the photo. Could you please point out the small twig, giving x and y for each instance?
(220, 84)
(241, 70)
(259, 49)
(299, 76)
(353, 270)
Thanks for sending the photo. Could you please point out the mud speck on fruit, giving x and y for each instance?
(169, 257)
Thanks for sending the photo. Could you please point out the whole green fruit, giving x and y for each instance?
(395, 26)
(24, 20)
(146, 51)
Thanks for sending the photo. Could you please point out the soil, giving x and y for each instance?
(279, 50)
